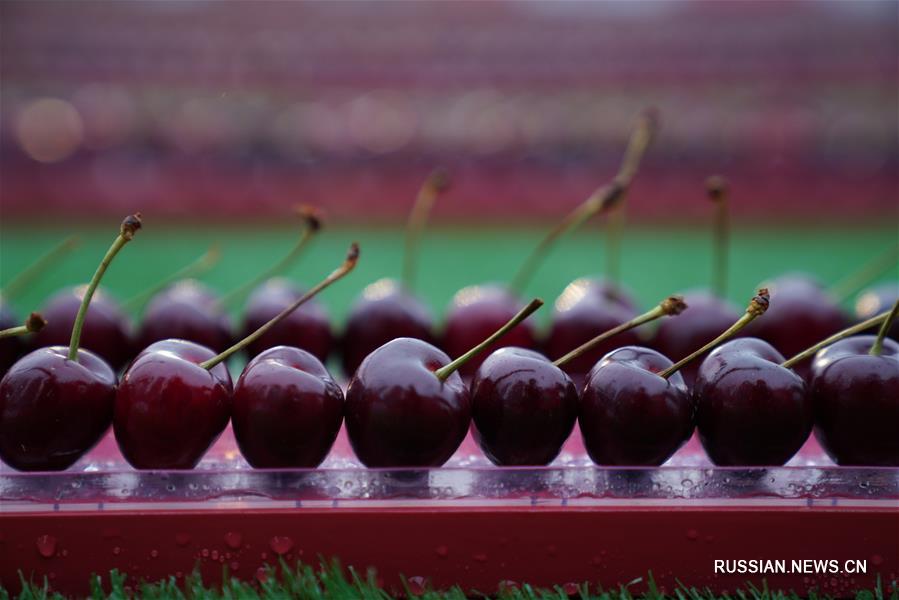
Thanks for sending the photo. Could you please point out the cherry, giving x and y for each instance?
(387, 309)
(855, 393)
(406, 405)
(709, 312)
(175, 399)
(187, 310)
(523, 407)
(877, 299)
(56, 402)
(750, 410)
(287, 410)
(308, 327)
(107, 331)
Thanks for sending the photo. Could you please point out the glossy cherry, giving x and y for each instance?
(107, 330)
(407, 406)
(750, 410)
(287, 410)
(188, 310)
(630, 414)
(56, 402)
(308, 327)
(877, 299)
(523, 407)
(169, 409)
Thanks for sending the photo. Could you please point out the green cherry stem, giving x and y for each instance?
(877, 347)
(436, 183)
(348, 265)
(312, 224)
(670, 306)
(445, 371)
(849, 331)
(718, 191)
(198, 267)
(39, 266)
(867, 273)
(34, 323)
(126, 233)
(757, 307)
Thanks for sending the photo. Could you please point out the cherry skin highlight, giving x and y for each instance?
(187, 310)
(631, 416)
(54, 410)
(308, 327)
(384, 312)
(476, 312)
(523, 407)
(750, 411)
(399, 414)
(168, 409)
(287, 410)
(875, 300)
(801, 314)
(586, 308)
(705, 317)
(856, 401)
(107, 330)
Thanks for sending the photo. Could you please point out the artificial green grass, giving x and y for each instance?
(331, 582)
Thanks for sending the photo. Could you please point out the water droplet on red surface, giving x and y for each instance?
(116, 550)
(692, 534)
(215, 555)
(280, 544)
(182, 539)
(64, 553)
(441, 551)
(205, 552)
(233, 540)
(263, 556)
(46, 545)
(154, 553)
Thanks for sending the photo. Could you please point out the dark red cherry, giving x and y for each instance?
(54, 410)
(801, 314)
(11, 348)
(856, 401)
(107, 331)
(704, 319)
(476, 312)
(876, 300)
(187, 310)
(287, 410)
(308, 327)
(399, 414)
(629, 414)
(168, 409)
(523, 407)
(586, 308)
(750, 411)
(384, 312)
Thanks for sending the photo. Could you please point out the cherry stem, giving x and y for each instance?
(718, 191)
(126, 233)
(35, 269)
(600, 200)
(877, 347)
(757, 307)
(849, 331)
(34, 323)
(444, 372)
(312, 224)
(198, 267)
(348, 265)
(867, 273)
(436, 183)
(670, 306)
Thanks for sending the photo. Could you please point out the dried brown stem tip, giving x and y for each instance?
(311, 215)
(673, 305)
(439, 179)
(35, 322)
(352, 255)
(717, 187)
(759, 303)
(130, 226)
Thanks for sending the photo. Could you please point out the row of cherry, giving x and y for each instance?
(407, 405)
